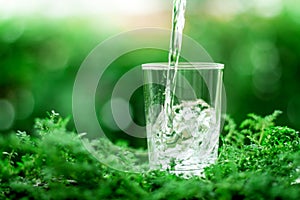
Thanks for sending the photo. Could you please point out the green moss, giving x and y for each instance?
(258, 160)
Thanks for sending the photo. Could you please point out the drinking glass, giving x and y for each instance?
(184, 137)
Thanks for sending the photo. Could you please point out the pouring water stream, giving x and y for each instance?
(178, 21)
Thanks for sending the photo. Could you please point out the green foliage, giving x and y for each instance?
(258, 160)
(40, 58)
(254, 127)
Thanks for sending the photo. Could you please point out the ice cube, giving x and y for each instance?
(185, 144)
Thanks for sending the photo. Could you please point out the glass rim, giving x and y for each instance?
(183, 66)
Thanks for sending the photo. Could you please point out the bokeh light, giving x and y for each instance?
(43, 43)
(7, 114)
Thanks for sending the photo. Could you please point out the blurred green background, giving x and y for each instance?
(43, 45)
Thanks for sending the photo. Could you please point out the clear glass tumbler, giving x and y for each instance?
(185, 139)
